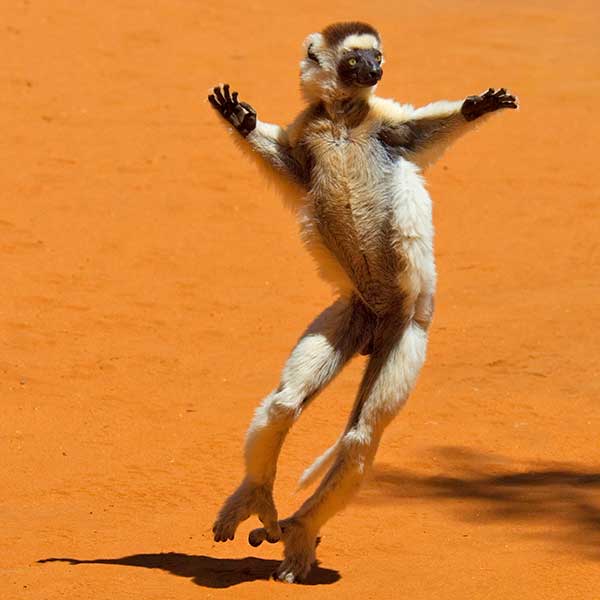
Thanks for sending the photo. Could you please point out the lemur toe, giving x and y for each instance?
(257, 536)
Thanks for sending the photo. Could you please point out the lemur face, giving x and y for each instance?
(360, 67)
(344, 60)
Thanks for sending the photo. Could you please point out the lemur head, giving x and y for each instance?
(343, 61)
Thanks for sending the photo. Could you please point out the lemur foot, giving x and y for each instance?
(249, 499)
(240, 114)
(476, 106)
(299, 553)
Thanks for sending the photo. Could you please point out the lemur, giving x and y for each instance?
(351, 167)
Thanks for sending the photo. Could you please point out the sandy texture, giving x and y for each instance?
(152, 286)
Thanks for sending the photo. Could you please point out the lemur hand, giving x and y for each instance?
(240, 114)
(475, 106)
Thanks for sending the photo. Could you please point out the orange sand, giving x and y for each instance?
(152, 287)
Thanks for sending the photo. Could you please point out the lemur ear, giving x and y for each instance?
(312, 55)
(314, 39)
(312, 44)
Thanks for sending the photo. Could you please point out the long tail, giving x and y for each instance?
(319, 466)
(326, 459)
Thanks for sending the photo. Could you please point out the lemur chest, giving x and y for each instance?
(371, 212)
(349, 175)
(356, 187)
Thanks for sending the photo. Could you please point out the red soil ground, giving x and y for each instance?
(152, 287)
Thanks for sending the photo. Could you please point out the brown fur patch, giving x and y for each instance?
(337, 32)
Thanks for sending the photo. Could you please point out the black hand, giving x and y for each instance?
(475, 106)
(240, 114)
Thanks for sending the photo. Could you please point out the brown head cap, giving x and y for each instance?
(337, 32)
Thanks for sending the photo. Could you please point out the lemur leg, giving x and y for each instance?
(332, 339)
(398, 354)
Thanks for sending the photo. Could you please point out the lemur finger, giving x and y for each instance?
(227, 94)
(214, 103)
(234, 97)
(219, 96)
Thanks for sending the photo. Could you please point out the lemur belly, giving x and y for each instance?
(376, 225)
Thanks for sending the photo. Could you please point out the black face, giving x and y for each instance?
(361, 68)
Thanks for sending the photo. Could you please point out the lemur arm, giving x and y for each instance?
(426, 132)
(265, 143)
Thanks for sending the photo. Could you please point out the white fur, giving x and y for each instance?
(364, 41)
(265, 144)
(413, 229)
(319, 465)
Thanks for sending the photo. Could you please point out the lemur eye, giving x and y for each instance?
(378, 58)
(352, 62)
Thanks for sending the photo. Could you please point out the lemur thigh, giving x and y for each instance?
(332, 339)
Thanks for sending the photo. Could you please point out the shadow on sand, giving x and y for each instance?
(556, 500)
(204, 570)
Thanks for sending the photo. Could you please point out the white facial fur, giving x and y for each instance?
(363, 41)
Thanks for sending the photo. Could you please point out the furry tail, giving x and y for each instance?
(319, 466)
(326, 459)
